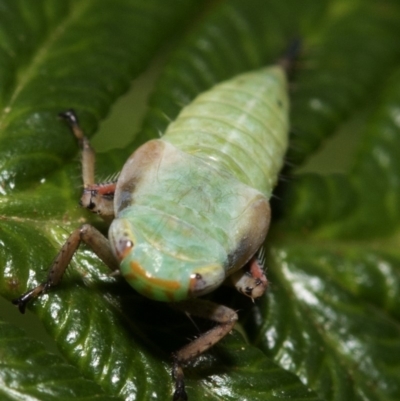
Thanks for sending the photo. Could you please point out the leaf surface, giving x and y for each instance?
(69, 54)
(50, 379)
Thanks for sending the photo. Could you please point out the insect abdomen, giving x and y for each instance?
(240, 125)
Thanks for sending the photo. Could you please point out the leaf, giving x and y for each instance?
(70, 54)
(329, 327)
(52, 378)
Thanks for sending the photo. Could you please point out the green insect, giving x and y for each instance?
(191, 210)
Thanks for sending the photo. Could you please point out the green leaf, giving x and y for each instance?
(28, 371)
(57, 55)
(329, 327)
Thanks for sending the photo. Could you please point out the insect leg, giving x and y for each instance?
(88, 155)
(89, 235)
(251, 280)
(98, 198)
(223, 315)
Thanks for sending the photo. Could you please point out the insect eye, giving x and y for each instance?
(122, 239)
(205, 279)
(123, 247)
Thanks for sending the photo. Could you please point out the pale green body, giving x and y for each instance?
(240, 125)
(192, 207)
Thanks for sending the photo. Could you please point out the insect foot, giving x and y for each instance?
(177, 375)
(24, 299)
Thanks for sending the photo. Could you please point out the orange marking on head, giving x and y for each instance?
(139, 272)
(130, 276)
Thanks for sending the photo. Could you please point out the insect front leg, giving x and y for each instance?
(226, 319)
(89, 235)
(98, 198)
(251, 280)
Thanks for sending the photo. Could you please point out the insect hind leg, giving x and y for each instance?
(226, 319)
